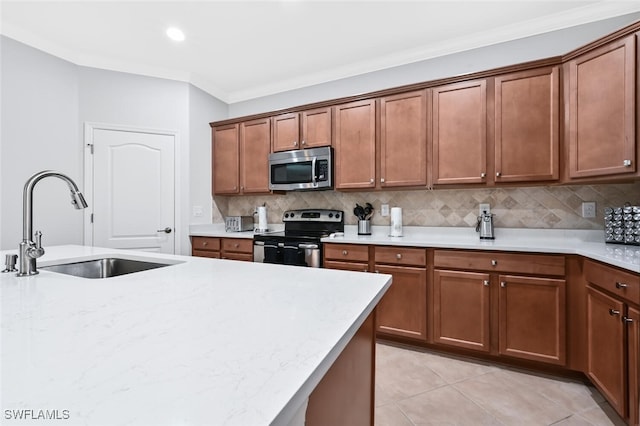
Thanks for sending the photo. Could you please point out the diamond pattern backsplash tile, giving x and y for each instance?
(556, 207)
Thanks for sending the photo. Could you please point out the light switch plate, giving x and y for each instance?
(484, 207)
(589, 209)
(197, 211)
(384, 210)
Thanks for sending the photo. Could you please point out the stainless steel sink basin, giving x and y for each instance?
(103, 268)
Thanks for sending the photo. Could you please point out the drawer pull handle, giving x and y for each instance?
(398, 256)
(503, 284)
(344, 252)
(627, 319)
(613, 312)
(236, 245)
(486, 283)
(204, 244)
(494, 262)
(483, 175)
(366, 270)
(621, 285)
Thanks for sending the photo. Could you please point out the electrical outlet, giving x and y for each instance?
(589, 209)
(384, 210)
(197, 211)
(485, 207)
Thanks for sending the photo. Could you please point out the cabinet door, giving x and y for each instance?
(605, 347)
(355, 155)
(527, 126)
(286, 132)
(532, 318)
(403, 309)
(316, 128)
(403, 140)
(255, 145)
(460, 133)
(602, 111)
(226, 159)
(633, 341)
(461, 311)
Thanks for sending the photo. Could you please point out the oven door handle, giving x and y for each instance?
(307, 246)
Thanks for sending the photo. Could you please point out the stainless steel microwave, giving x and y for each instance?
(302, 169)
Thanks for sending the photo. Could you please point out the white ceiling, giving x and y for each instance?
(239, 50)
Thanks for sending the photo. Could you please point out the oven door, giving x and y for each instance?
(302, 254)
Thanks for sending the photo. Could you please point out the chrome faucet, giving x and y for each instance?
(30, 250)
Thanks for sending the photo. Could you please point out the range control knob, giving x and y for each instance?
(337, 215)
(330, 215)
(286, 215)
(292, 214)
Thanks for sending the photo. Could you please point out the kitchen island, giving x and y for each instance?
(199, 342)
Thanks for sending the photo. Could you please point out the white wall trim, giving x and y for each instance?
(89, 128)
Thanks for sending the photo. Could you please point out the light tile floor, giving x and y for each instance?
(419, 387)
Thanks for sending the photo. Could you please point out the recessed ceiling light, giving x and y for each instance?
(175, 34)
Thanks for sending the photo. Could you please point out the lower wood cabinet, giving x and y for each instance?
(223, 248)
(613, 336)
(461, 313)
(511, 315)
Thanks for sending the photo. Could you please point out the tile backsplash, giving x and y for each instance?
(556, 207)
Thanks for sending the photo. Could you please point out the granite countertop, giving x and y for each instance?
(586, 243)
(200, 342)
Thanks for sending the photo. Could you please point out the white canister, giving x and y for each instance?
(262, 219)
(396, 222)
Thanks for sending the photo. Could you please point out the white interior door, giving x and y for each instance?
(133, 197)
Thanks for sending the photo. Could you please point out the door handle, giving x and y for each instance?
(166, 230)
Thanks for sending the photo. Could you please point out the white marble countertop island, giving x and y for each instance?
(201, 342)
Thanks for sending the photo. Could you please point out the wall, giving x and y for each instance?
(537, 47)
(45, 103)
(202, 110)
(39, 131)
(557, 207)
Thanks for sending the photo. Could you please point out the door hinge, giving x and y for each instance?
(90, 145)
(91, 218)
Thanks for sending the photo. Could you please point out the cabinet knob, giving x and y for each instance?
(626, 163)
(236, 245)
(302, 143)
(398, 256)
(483, 175)
(627, 319)
(503, 284)
(295, 143)
(204, 244)
(381, 180)
(613, 312)
(498, 174)
(621, 285)
(486, 283)
(344, 252)
(494, 262)
(371, 180)
(366, 270)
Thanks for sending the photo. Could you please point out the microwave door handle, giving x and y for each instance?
(314, 178)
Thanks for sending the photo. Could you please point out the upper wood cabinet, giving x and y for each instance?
(527, 135)
(355, 141)
(601, 110)
(286, 132)
(255, 145)
(226, 159)
(307, 129)
(459, 133)
(403, 140)
(240, 153)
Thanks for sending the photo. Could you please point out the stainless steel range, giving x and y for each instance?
(299, 244)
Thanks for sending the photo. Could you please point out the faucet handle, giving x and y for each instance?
(37, 251)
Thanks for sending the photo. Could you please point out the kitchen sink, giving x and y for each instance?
(104, 268)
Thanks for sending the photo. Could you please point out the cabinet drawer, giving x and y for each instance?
(346, 266)
(621, 283)
(205, 243)
(238, 256)
(238, 245)
(206, 253)
(498, 261)
(347, 252)
(401, 256)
